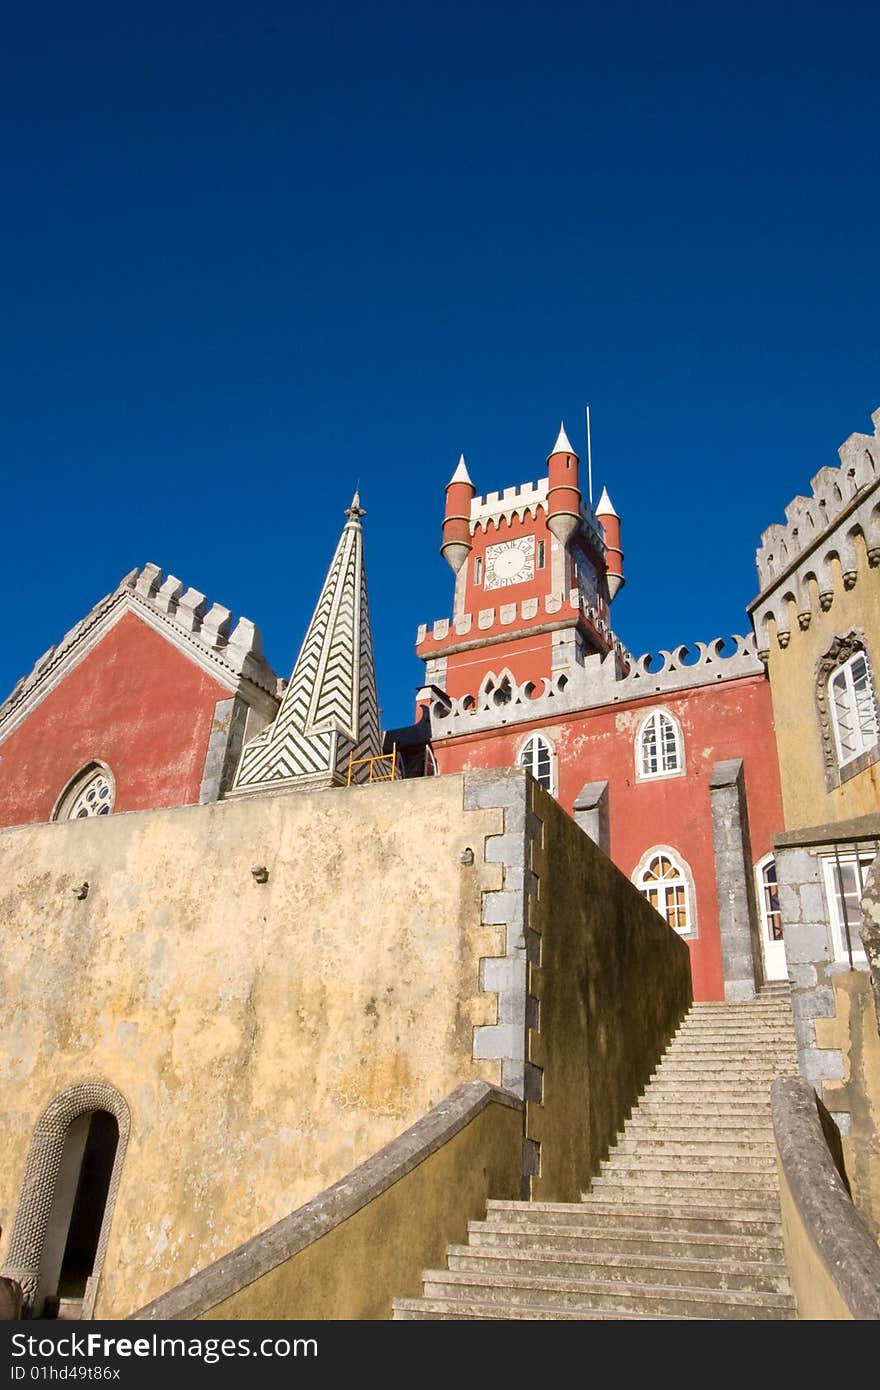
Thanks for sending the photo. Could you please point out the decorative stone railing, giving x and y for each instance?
(601, 680)
(549, 606)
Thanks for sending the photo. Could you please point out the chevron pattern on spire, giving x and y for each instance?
(330, 709)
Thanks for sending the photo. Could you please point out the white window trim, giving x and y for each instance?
(760, 886)
(80, 779)
(679, 771)
(687, 877)
(554, 780)
(845, 669)
(835, 916)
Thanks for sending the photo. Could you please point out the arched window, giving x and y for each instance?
(538, 756)
(846, 700)
(90, 793)
(666, 881)
(659, 747)
(853, 708)
(773, 944)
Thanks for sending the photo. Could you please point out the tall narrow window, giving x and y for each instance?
(478, 570)
(667, 883)
(772, 941)
(853, 708)
(540, 559)
(659, 746)
(538, 756)
(845, 873)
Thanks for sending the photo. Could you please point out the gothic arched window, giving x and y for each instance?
(659, 746)
(538, 756)
(666, 881)
(90, 793)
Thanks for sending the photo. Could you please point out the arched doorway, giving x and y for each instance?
(66, 1206)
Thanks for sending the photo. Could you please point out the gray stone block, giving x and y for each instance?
(493, 1041)
(484, 793)
(807, 941)
(822, 1064)
(802, 976)
(501, 908)
(506, 849)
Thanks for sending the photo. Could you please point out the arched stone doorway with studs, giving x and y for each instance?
(62, 1225)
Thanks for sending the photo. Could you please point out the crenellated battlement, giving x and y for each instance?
(522, 501)
(807, 519)
(549, 606)
(609, 679)
(826, 541)
(233, 649)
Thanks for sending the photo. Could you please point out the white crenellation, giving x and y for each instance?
(809, 520)
(551, 604)
(179, 614)
(599, 680)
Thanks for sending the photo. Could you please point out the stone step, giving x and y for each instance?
(593, 1213)
(686, 1125)
(600, 1295)
(636, 1240)
(460, 1310)
(692, 1108)
(723, 1087)
(703, 1147)
(710, 1067)
(725, 1172)
(746, 1196)
(735, 1045)
(666, 1272)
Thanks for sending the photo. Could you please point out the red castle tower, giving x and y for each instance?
(669, 764)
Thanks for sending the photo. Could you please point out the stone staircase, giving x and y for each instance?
(682, 1222)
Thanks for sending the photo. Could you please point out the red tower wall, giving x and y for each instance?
(718, 722)
(136, 703)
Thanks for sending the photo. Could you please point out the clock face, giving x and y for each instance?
(510, 562)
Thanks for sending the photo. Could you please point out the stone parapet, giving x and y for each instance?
(796, 561)
(597, 681)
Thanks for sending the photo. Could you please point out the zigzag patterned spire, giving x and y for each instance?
(330, 708)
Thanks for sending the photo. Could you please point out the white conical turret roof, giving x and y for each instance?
(563, 443)
(461, 475)
(605, 507)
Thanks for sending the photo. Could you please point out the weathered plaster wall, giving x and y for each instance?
(806, 799)
(853, 1030)
(609, 981)
(730, 720)
(266, 1037)
(136, 703)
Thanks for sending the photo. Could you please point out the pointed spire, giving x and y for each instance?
(605, 507)
(330, 709)
(461, 475)
(563, 443)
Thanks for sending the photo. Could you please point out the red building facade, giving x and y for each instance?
(671, 767)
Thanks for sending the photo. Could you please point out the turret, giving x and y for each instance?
(563, 493)
(610, 523)
(457, 542)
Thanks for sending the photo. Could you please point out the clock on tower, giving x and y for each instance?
(510, 562)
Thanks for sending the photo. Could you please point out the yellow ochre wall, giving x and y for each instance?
(266, 1038)
(792, 670)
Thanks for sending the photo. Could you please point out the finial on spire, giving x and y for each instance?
(355, 511)
(563, 443)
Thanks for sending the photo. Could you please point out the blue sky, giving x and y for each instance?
(252, 254)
